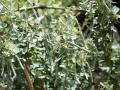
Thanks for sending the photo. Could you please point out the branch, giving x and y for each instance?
(26, 74)
(43, 6)
(28, 78)
(40, 7)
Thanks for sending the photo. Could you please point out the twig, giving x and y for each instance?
(79, 47)
(4, 6)
(90, 71)
(19, 61)
(13, 70)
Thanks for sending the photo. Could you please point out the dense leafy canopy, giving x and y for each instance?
(59, 55)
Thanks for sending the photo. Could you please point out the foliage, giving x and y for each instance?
(59, 56)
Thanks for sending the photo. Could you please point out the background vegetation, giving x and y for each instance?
(42, 49)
